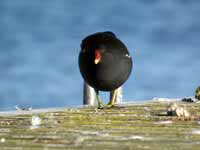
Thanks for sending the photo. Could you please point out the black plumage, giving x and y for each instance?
(104, 61)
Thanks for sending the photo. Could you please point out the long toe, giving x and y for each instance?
(100, 106)
(110, 105)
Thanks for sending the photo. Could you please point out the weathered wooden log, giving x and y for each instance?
(127, 126)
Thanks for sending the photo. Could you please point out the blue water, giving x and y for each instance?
(40, 42)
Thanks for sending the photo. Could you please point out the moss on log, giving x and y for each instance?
(137, 126)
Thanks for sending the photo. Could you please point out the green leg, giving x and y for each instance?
(100, 104)
(112, 102)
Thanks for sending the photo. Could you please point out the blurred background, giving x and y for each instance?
(40, 43)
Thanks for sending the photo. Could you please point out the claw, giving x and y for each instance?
(110, 105)
(100, 106)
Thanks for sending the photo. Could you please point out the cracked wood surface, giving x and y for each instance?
(135, 126)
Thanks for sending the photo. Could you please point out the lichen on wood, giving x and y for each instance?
(137, 126)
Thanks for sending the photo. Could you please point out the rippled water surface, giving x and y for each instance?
(40, 42)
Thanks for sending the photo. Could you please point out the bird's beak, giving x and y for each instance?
(96, 61)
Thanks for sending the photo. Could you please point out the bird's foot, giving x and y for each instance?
(100, 106)
(107, 106)
(110, 105)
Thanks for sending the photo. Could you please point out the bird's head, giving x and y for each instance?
(98, 56)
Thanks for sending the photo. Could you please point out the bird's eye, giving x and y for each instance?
(128, 56)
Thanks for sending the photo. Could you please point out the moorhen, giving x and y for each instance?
(105, 63)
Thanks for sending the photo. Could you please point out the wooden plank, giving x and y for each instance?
(128, 126)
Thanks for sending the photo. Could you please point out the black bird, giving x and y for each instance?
(104, 63)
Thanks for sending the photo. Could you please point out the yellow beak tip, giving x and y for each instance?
(96, 61)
